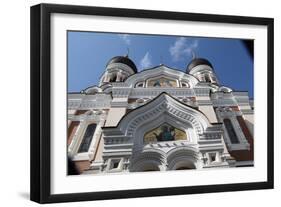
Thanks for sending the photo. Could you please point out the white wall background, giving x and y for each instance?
(14, 103)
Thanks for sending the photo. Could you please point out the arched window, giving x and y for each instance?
(213, 79)
(140, 85)
(231, 132)
(87, 138)
(184, 85)
(114, 77)
(207, 78)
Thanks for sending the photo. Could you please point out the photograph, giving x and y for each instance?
(153, 102)
(133, 103)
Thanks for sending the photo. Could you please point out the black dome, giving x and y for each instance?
(124, 60)
(198, 61)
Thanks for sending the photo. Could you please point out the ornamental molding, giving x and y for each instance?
(247, 111)
(231, 98)
(153, 92)
(84, 102)
(120, 92)
(177, 110)
(163, 108)
(94, 116)
(224, 102)
(161, 70)
(94, 104)
(204, 102)
(73, 104)
(204, 91)
(164, 160)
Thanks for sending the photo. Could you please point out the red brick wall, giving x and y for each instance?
(82, 165)
(244, 155)
(71, 131)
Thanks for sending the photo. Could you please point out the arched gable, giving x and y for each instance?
(162, 71)
(162, 108)
(164, 104)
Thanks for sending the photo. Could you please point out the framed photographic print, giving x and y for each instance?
(133, 103)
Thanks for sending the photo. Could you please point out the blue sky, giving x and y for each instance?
(89, 52)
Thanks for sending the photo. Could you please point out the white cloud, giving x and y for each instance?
(126, 38)
(146, 61)
(182, 48)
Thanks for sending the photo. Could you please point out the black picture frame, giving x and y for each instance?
(40, 176)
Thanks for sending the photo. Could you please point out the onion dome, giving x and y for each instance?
(198, 61)
(124, 60)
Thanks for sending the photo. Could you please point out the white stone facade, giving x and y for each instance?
(124, 106)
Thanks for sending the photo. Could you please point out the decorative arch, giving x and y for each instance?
(183, 158)
(163, 71)
(162, 82)
(163, 106)
(163, 109)
(183, 164)
(149, 160)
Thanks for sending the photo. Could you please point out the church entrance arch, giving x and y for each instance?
(183, 158)
(151, 160)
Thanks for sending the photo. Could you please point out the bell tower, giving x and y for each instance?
(118, 69)
(203, 70)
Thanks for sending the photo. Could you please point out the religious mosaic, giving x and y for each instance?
(162, 82)
(165, 132)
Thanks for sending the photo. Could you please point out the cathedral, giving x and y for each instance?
(159, 119)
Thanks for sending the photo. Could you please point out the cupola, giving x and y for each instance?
(118, 69)
(203, 70)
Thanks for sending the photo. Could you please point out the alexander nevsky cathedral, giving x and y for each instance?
(159, 119)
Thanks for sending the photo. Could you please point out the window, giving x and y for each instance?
(207, 78)
(140, 85)
(231, 132)
(86, 141)
(213, 157)
(113, 79)
(114, 164)
(185, 85)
